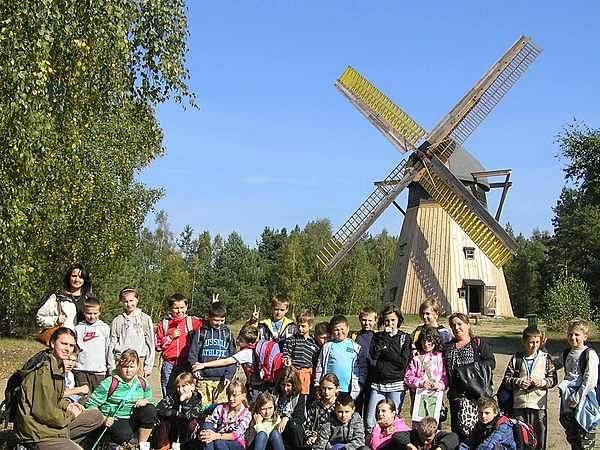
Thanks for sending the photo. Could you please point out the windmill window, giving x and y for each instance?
(469, 252)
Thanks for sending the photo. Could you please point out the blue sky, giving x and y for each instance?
(275, 144)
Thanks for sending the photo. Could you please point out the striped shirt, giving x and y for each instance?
(303, 352)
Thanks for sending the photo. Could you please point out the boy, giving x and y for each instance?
(492, 430)
(71, 393)
(173, 336)
(93, 337)
(340, 356)
(278, 327)
(530, 374)
(581, 376)
(301, 350)
(132, 329)
(368, 319)
(344, 429)
(213, 341)
(322, 334)
(425, 435)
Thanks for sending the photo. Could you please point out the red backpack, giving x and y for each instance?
(523, 433)
(269, 361)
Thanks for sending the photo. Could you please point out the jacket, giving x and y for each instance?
(267, 332)
(266, 426)
(496, 435)
(316, 415)
(175, 350)
(542, 369)
(208, 344)
(293, 407)
(220, 422)
(170, 406)
(378, 438)
(426, 367)
(47, 315)
(351, 434)
(122, 401)
(483, 357)
(93, 341)
(443, 439)
(42, 410)
(389, 357)
(132, 332)
(356, 377)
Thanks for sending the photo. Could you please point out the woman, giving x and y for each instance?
(469, 365)
(65, 307)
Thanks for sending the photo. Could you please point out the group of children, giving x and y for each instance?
(321, 391)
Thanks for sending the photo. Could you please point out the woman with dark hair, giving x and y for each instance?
(65, 306)
(469, 365)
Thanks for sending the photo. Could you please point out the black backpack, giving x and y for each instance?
(505, 394)
(8, 407)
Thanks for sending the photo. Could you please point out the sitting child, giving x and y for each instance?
(290, 404)
(71, 392)
(492, 430)
(226, 427)
(319, 411)
(179, 413)
(425, 435)
(388, 423)
(263, 432)
(126, 401)
(344, 430)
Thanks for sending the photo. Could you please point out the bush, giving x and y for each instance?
(568, 297)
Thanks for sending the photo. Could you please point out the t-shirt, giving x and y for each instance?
(340, 361)
(245, 356)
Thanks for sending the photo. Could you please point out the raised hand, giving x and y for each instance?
(255, 314)
(215, 298)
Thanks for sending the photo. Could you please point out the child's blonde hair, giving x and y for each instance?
(263, 399)
(579, 324)
(367, 311)
(279, 300)
(433, 304)
(234, 386)
(185, 378)
(427, 426)
(488, 402)
(305, 316)
(127, 357)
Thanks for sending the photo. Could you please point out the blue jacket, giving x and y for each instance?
(498, 434)
(209, 344)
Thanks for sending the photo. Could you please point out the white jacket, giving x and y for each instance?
(47, 315)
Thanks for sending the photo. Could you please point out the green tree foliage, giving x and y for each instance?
(568, 297)
(79, 83)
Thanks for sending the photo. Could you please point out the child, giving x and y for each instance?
(319, 411)
(300, 350)
(264, 431)
(173, 336)
(388, 423)
(322, 334)
(290, 404)
(368, 319)
(492, 430)
(340, 356)
(226, 427)
(126, 401)
(93, 337)
(429, 311)
(426, 369)
(581, 377)
(277, 327)
(389, 356)
(71, 393)
(179, 413)
(425, 435)
(213, 341)
(529, 375)
(344, 430)
(133, 329)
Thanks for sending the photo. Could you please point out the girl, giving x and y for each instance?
(388, 358)
(320, 410)
(226, 427)
(388, 423)
(263, 432)
(179, 413)
(429, 311)
(126, 399)
(290, 405)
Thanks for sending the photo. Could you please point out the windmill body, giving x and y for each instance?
(436, 259)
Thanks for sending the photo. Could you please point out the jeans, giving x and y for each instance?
(168, 373)
(374, 398)
(273, 441)
(221, 444)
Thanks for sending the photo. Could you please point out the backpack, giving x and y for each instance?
(269, 360)
(114, 384)
(523, 433)
(12, 392)
(583, 362)
(505, 393)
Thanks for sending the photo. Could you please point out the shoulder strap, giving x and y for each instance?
(114, 384)
(519, 356)
(142, 381)
(584, 359)
(189, 324)
(165, 325)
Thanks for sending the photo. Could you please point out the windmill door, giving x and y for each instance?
(474, 296)
(489, 302)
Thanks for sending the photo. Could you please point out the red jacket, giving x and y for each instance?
(175, 350)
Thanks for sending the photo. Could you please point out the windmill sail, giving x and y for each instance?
(395, 124)
(473, 108)
(467, 212)
(359, 222)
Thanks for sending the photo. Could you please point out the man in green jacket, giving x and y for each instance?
(43, 416)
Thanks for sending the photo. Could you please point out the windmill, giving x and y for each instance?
(427, 252)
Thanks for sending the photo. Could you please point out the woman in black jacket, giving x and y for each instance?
(389, 356)
(469, 365)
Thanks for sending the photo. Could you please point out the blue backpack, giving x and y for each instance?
(583, 362)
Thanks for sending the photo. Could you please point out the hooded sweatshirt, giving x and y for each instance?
(135, 332)
(209, 344)
(92, 340)
(175, 350)
(351, 434)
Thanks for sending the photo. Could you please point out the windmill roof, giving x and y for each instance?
(462, 164)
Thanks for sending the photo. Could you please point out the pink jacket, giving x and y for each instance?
(428, 366)
(378, 438)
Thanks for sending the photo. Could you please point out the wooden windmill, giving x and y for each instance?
(450, 247)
